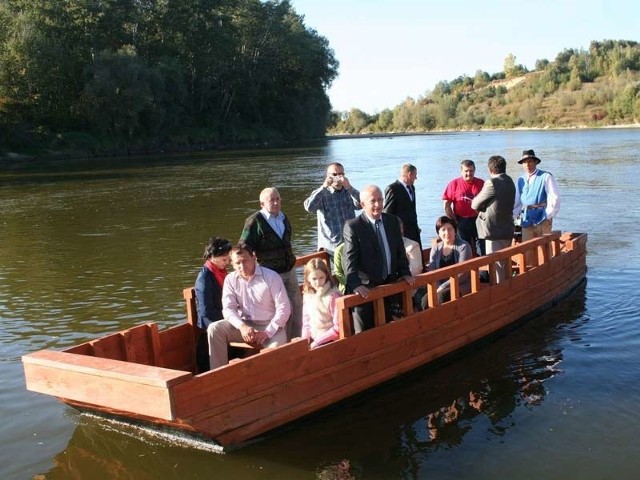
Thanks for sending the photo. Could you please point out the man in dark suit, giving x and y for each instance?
(400, 199)
(494, 205)
(374, 254)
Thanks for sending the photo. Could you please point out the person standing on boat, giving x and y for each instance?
(268, 233)
(494, 205)
(457, 198)
(450, 250)
(537, 199)
(400, 200)
(374, 255)
(338, 268)
(255, 306)
(208, 290)
(335, 202)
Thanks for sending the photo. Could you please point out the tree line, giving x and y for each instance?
(112, 76)
(594, 87)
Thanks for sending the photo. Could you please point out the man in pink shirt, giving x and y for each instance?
(457, 199)
(255, 307)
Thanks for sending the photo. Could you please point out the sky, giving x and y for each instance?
(393, 49)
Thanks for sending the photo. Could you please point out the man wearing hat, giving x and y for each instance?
(537, 198)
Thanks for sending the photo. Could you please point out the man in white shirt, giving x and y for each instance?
(537, 198)
(255, 307)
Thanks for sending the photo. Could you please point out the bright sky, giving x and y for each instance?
(391, 49)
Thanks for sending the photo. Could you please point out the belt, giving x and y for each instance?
(536, 206)
(259, 323)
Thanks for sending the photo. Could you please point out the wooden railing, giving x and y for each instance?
(535, 252)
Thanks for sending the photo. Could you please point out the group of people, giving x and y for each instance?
(260, 302)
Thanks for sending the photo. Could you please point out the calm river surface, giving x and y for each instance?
(102, 246)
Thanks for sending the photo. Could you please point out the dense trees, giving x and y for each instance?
(136, 73)
(600, 86)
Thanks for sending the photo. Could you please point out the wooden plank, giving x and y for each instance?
(111, 346)
(379, 315)
(177, 345)
(454, 288)
(156, 347)
(137, 344)
(244, 346)
(304, 259)
(189, 295)
(407, 302)
(98, 389)
(345, 322)
(217, 388)
(105, 367)
(432, 295)
(475, 281)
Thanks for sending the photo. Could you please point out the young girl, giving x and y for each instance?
(319, 313)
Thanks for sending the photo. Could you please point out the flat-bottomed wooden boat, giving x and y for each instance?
(148, 375)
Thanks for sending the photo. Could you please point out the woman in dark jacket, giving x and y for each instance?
(208, 290)
(451, 250)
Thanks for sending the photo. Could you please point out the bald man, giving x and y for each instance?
(268, 233)
(374, 254)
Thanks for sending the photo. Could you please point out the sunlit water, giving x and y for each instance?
(103, 246)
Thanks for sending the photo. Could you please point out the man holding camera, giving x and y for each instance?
(335, 202)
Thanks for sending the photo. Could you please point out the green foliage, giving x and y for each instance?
(625, 103)
(580, 87)
(149, 73)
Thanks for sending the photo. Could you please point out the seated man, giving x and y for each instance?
(255, 307)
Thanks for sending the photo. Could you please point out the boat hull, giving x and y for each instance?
(254, 395)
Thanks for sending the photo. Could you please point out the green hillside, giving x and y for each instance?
(595, 87)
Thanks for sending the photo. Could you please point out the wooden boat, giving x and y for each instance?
(146, 375)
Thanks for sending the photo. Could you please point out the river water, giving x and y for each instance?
(103, 245)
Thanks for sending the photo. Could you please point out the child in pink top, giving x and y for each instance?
(319, 313)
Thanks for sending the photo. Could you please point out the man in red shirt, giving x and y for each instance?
(457, 199)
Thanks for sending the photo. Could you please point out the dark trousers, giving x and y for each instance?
(363, 314)
(202, 352)
(469, 233)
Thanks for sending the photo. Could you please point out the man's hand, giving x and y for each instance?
(408, 278)
(248, 333)
(345, 183)
(260, 338)
(362, 291)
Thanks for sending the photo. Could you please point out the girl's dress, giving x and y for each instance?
(320, 315)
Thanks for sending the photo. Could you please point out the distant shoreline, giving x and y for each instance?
(14, 159)
(339, 136)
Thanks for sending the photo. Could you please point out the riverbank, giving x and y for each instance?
(339, 136)
(12, 161)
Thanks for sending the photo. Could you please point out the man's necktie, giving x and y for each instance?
(385, 272)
